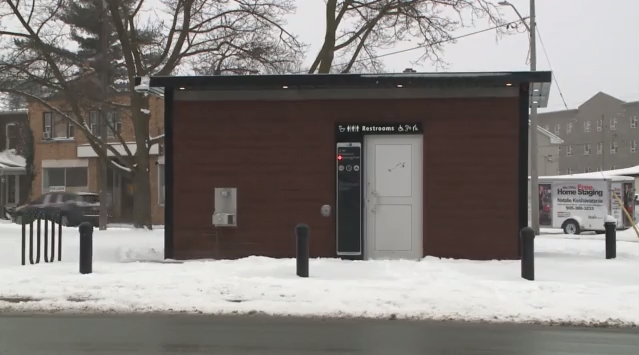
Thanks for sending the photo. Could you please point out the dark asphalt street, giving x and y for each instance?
(152, 335)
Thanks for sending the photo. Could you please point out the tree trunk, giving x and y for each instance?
(327, 53)
(141, 174)
(142, 195)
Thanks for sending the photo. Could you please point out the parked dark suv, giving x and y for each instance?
(72, 208)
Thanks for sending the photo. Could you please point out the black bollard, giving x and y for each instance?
(611, 238)
(24, 244)
(302, 232)
(527, 236)
(86, 248)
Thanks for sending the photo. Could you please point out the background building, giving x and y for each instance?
(549, 146)
(64, 160)
(15, 147)
(601, 134)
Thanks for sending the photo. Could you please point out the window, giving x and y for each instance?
(56, 126)
(68, 197)
(12, 186)
(93, 122)
(613, 147)
(89, 198)
(599, 125)
(11, 131)
(70, 127)
(634, 122)
(568, 127)
(113, 123)
(65, 179)
(569, 151)
(161, 184)
(587, 149)
(53, 198)
(599, 148)
(587, 126)
(633, 146)
(613, 124)
(557, 129)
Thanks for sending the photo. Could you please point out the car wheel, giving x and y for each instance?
(572, 227)
(18, 219)
(64, 220)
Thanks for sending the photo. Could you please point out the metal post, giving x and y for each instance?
(527, 236)
(302, 232)
(24, 242)
(610, 226)
(86, 248)
(534, 146)
(2, 194)
(104, 81)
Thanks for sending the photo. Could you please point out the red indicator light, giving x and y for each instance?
(339, 157)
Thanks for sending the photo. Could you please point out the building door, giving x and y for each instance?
(11, 190)
(393, 196)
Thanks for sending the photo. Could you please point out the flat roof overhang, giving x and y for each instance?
(420, 84)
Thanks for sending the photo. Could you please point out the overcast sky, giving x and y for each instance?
(592, 45)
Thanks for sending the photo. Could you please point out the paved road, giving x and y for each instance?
(152, 335)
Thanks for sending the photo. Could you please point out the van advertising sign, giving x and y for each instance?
(586, 200)
(615, 206)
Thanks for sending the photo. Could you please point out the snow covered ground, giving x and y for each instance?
(575, 284)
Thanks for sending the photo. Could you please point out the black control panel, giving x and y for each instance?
(349, 198)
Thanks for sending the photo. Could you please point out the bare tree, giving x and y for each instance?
(357, 29)
(180, 36)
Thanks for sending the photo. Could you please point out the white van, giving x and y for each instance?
(579, 204)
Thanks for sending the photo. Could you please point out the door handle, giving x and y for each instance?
(374, 195)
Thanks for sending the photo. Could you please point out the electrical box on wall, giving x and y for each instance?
(225, 214)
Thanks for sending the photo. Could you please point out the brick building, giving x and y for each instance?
(64, 160)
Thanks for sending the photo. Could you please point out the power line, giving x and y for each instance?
(543, 47)
(429, 44)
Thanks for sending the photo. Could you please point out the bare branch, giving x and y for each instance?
(356, 29)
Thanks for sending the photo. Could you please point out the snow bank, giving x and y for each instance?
(575, 284)
(115, 245)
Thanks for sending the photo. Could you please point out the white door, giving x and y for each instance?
(393, 196)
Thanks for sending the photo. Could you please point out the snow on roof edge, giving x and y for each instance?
(554, 139)
(10, 159)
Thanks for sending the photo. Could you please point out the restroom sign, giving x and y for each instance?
(350, 129)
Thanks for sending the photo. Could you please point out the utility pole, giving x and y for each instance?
(534, 173)
(104, 87)
(532, 131)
